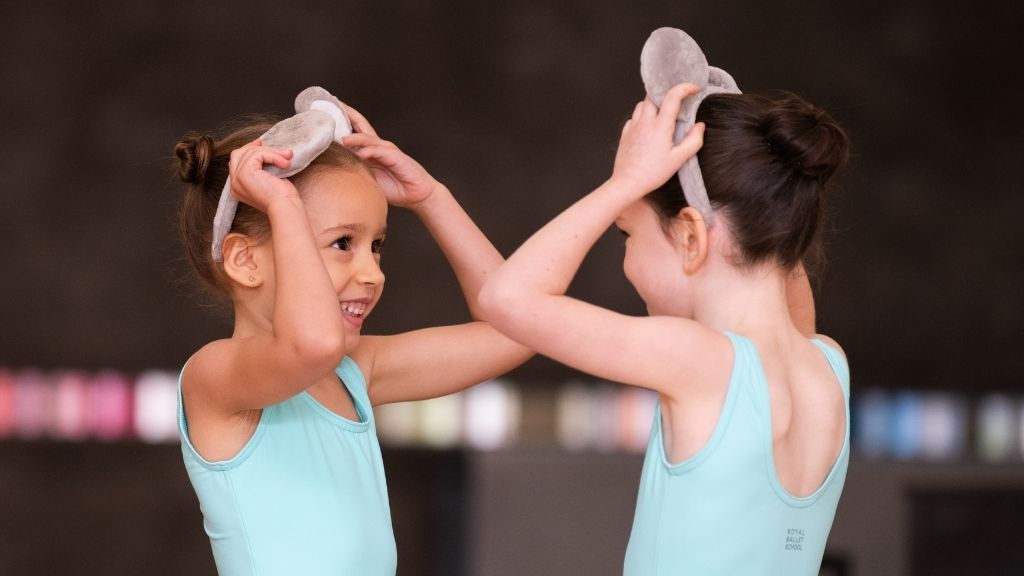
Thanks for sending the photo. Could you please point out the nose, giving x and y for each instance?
(368, 270)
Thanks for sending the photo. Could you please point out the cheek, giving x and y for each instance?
(627, 265)
(632, 268)
(337, 270)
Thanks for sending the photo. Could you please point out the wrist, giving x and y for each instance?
(629, 188)
(438, 195)
(284, 203)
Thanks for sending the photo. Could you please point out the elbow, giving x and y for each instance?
(325, 348)
(496, 299)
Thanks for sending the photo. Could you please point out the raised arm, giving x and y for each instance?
(526, 298)
(277, 349)
(434, 361)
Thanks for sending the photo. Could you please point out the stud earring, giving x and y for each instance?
(252, 279)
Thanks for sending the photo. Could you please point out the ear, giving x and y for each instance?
(691, 235)
(242, 261)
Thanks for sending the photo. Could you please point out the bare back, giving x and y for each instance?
(808, 411)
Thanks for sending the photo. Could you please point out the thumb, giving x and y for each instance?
(691, 143)
(673, 101)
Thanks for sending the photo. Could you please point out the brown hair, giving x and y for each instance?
(766, 163)
(203, 166)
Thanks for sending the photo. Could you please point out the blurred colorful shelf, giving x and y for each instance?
(576, 416)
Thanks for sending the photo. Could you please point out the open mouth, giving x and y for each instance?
(353, 309)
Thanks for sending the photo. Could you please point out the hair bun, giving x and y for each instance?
(803, 136)
(194, 152)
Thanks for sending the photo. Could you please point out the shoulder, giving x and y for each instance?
(206, 366)
(208, 374)
(827, 341)
(692, 358)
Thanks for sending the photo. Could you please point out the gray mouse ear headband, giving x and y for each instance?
(671, 57)
(319, 120)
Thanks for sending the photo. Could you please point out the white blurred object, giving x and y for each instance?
(492, 415)
(997, 427)
(943, 427)
(441, 421)
(156, 406)
(572, 425)
(397, 424)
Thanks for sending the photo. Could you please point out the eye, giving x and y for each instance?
(343, 243)
(377, 245)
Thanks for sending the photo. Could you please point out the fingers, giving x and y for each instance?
(690, 143)
(637, 111)
(673, 101)
(369, 147)
(255, 155)
(359, 122)
(360, 140)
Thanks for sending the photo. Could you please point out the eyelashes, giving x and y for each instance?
(345, 244)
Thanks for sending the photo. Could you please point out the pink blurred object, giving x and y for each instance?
(32, 404)
(72, 414)
(111, 400)
(6, 403)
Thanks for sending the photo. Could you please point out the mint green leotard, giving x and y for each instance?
(306, 495)
(723, 510)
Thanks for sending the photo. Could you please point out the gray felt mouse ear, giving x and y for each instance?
(316, 98)
(320, 120)
(670, 57)
(306, 134)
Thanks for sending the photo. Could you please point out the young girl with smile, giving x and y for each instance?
(276, 420)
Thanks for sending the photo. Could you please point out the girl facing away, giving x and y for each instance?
(749, 447)
(276, 420)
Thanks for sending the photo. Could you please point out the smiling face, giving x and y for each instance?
(348, 215)
(653, 263)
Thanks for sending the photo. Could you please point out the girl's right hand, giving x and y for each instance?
(647, 156)
(253, 185)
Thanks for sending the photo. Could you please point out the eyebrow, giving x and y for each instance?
(356, 228)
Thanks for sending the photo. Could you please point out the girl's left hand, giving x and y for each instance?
(647, 156)
(403, 180)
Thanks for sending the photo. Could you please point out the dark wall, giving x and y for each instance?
(517, 107)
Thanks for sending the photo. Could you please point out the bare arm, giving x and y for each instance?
(434, 361)
(270, 359)
(526, 297)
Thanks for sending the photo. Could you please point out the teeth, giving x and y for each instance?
(353, 308)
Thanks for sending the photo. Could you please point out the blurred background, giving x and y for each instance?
(517, 107)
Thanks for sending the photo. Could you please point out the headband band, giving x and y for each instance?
(671, 57)
(319, 120)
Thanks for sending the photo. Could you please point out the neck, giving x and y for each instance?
(249, 320)
(748, 301)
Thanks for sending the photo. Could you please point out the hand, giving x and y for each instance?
(250, 183)
(647, 157)
(404, 181)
